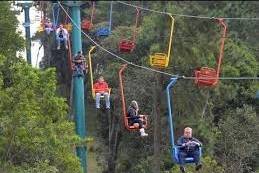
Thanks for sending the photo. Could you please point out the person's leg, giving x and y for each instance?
(196, 157)
(97, 100)
(58, 42)
(141, 129)
(107, 100)
(65, 42)
(182, 155)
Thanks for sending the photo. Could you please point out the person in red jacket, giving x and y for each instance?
(101, 88)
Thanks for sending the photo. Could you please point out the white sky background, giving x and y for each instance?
(35, 23)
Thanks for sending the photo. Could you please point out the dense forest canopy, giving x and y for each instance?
(37, 134)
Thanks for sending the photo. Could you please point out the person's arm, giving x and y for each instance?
(132, 113)
(197, 142)
(57, 31)
(96, 87)
(179, 141)
(106, 87)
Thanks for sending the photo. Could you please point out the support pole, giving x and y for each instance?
(26, 6)
(78, 105)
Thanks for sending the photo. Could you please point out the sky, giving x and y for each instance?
(35, 44)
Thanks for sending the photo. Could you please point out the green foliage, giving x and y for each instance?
(236, 143)
(35, 132)
(215, 114)
(209, 165)
(10, 40)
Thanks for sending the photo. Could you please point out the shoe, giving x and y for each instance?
(198, 167)
(66, 47)
(97, 107)
(58, 47)
(143, 134)
(182, 169)
(107, 107)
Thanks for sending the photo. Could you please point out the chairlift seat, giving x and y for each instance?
(102, 96)
(126, 46)
(103, 32)
(131, 126)
(206, 76)
(40, 29)
(86, 25)
(175, 155)
(159, 60)
(68, 27)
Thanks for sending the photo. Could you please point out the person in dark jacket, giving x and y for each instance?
(189, 147)
(78, 63)
(135, 117)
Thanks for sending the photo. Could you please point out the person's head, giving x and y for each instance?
(61, 26)
(134, 104)
(101, 79)
(187, 132)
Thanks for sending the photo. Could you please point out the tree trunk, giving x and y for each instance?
(157, 123)
(114, 138)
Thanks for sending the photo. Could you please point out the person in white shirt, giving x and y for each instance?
(62, 35)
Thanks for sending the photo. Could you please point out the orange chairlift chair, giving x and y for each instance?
(161, 60)
(206, 76)
(42, 19)
(127, 124)
(88, 24)
(67, 25)
(127, 46)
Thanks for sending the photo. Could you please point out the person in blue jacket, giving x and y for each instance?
(135, 117)
(189, 147)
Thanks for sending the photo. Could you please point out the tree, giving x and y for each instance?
(237, 145)
(35, 131)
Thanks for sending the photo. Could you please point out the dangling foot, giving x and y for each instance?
(142, 132)
(182, 169)
(198, 167)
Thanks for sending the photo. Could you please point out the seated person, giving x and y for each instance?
(62, 35)
(135, 117)
(79, 63)
(189, 147)
(101, 88)
(48, 26)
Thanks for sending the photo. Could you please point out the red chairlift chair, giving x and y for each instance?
(127, 46)
(206, 76)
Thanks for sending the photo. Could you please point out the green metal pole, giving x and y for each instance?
(78, 82)
(26, 6)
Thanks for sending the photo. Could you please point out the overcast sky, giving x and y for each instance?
(35, 23)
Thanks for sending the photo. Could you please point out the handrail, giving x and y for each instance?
(90, 69)
(110, 20)
(55, 20)
(122, 92)
(170, 110)
(170, 39)
(221, 22)
(136, 25)
(69, 55)
(92, 12)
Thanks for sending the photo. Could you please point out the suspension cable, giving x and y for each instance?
(144, 67)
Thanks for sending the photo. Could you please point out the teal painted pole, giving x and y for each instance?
(78, 89)
(26, 6)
